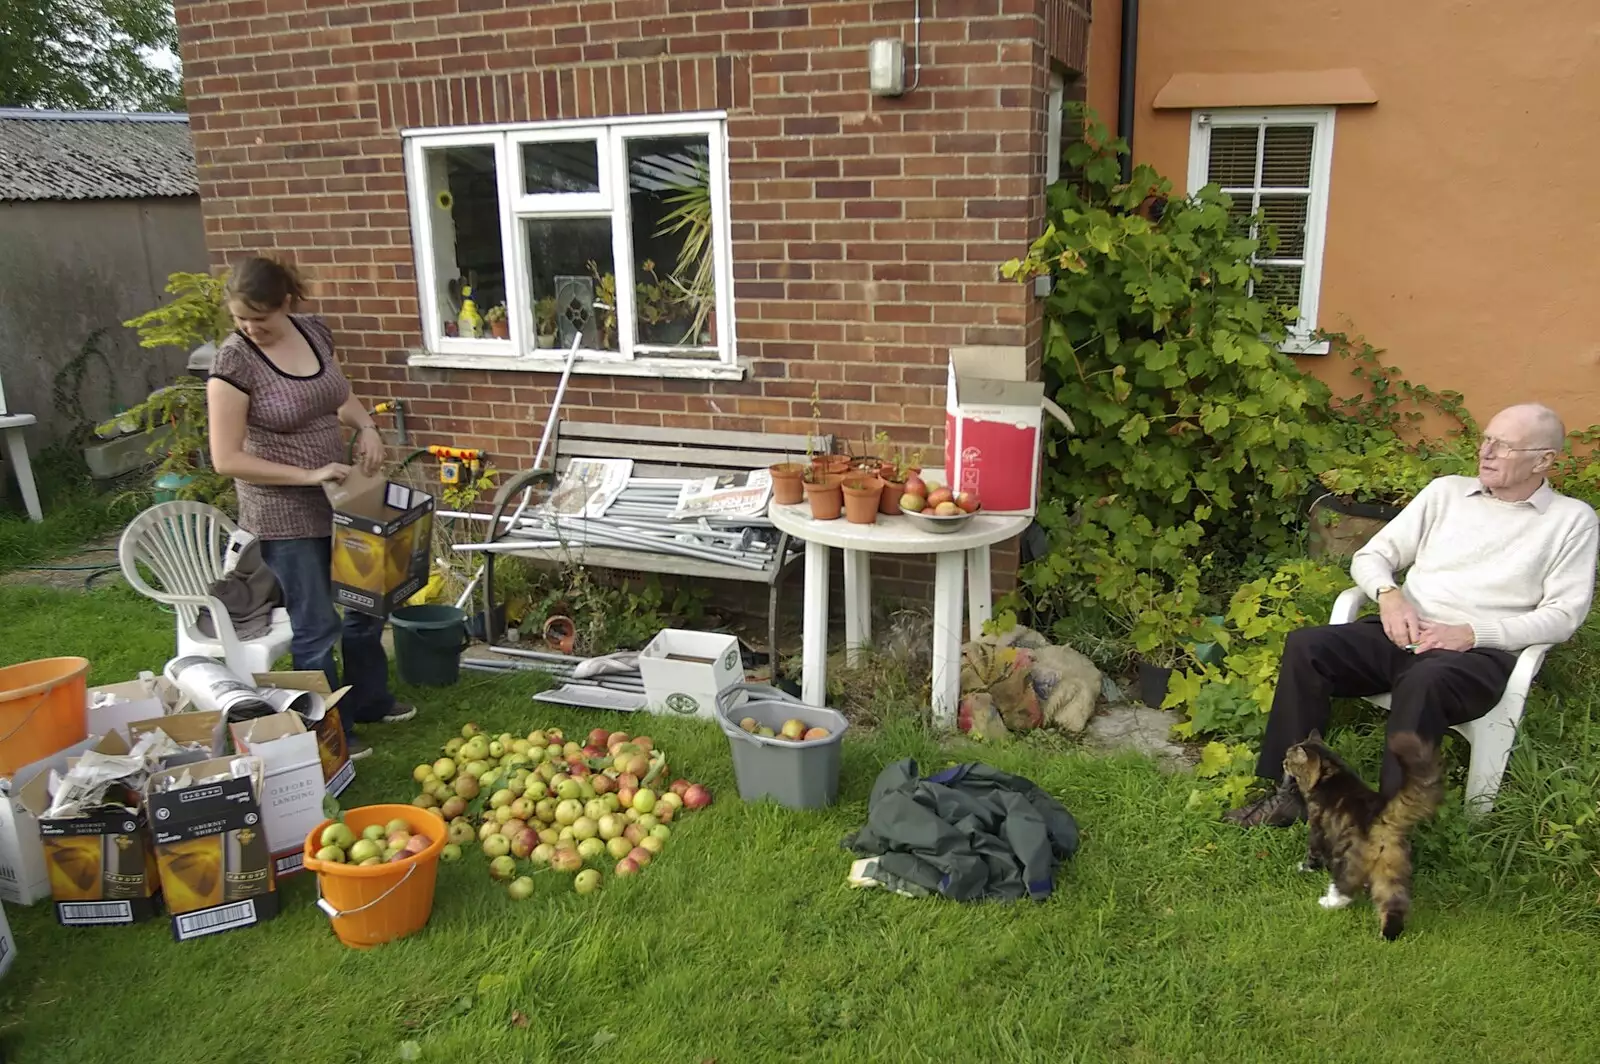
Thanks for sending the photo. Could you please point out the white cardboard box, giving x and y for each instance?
(684, 671)
(291, 802)
(994, 435)
(134, 700)
(23, 876)
(8, 945)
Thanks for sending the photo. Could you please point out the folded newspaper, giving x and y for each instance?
(588, 487)
(730, 495)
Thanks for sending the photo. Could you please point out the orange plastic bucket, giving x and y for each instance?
(379, 903)
(43, 710)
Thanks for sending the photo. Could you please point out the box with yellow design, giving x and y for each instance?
(382, 539)
(101, 866)
(211, 845)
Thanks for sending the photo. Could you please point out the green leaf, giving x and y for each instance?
(410, 1050)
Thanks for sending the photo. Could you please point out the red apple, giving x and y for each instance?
(629, 780)
(696, 797)
(946, 509)
(939, 495)
(602, 783)
(915, 485)
(614, 738)
(678, 787)
(639, 856)
(645, 743)
(968, 501)
(598, 737)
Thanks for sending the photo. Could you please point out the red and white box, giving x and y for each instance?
(993, 432)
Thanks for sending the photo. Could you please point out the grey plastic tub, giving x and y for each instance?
(798, 775)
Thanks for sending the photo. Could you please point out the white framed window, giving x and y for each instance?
(1056, 103)
(536, 224)
(1275, 162)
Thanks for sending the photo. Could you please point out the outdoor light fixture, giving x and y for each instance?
(886, 62)
(886, 66)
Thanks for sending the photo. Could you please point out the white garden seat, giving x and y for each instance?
(1491, 736)
(182, 544)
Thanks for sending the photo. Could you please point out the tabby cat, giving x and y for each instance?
(1360, 837)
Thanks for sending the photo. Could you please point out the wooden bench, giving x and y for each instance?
(665, 453)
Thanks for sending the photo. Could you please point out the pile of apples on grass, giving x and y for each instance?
(939, 501)
(546, 800)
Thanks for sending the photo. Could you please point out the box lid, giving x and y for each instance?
(225, 799)
(995, 376)
(35, 794)
(308, 680)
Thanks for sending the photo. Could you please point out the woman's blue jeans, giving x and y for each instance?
(303, 568)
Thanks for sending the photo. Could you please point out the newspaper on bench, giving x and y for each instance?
(730, 495)
(589, 486)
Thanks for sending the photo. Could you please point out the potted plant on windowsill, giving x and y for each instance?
(499, 327)
(694, 275)
(544, 319)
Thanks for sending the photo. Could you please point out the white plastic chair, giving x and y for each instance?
(182, 544)
(1491, 736)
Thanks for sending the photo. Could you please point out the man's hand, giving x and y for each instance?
(1400, 620)
(1457, 637)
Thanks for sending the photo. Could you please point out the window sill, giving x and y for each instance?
(1304, 346)
(671, 369)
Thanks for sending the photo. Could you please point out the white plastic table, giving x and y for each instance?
(11, 426)
(961, 566)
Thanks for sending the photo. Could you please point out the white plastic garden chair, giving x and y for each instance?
(1491, 736)
(182, 544)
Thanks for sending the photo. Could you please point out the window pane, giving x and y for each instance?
(570, 280)
(1239, 213)
(464, 209)
(669, 197)
(560, 166)
(1280, 284)
(1232, 162)
(1287, 159)
(1288, 215)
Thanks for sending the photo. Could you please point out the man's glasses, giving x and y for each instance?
(1493, 448)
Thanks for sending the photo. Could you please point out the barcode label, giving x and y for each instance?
(209, 922)
(342, 778)
(75, 913)
(290, 863)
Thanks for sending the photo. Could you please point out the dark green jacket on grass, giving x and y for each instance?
(967, 832)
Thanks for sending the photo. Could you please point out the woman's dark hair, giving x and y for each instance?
(264, 284)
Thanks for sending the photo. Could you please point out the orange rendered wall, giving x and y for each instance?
(1464, 207)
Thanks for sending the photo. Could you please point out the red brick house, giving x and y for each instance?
(397, 149)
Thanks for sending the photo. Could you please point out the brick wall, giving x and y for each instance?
(866, 232)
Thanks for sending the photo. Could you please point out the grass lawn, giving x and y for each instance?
(1170, 938)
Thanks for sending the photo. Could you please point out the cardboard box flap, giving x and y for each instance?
(995, 376)
(373, 497)
(199, 801)
(201, 726)
(310, 681)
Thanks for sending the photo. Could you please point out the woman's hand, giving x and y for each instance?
(332, 473)
(369, 450)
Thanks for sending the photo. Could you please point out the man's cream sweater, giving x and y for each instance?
(1519, 573)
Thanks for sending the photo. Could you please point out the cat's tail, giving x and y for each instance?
(1421, 788)
(1420, 793)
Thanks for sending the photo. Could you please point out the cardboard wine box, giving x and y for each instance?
(101, 866)
(291, 802)
(382, 542)
(202, 729)
(684, 671)
(322, 713)
(23, 876)
(211, 847)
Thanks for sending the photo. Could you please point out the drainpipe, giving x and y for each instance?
(1125, 80)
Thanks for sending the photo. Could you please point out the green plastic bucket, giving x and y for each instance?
(428, 641)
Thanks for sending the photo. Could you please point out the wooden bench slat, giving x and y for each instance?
(707, 457)
(639, 562)
(690, 438)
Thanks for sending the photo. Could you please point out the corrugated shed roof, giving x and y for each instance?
(70, 155)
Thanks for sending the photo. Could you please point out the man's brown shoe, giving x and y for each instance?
(1279, 809)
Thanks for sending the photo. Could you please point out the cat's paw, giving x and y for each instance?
(1334, 898)
(1305, 866)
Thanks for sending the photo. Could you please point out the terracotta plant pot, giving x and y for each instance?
(786, 489)
(500, 330)
(889, 497)
(837, 464)
(862, 497)
(825, 496)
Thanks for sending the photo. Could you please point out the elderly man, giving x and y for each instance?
(1494, 564)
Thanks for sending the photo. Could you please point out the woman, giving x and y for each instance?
(276, 400)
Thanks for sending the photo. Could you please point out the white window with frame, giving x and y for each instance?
(1055, 104)
(534, 224)
(1276, 163)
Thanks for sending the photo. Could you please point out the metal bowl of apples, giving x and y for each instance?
(939, 510)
